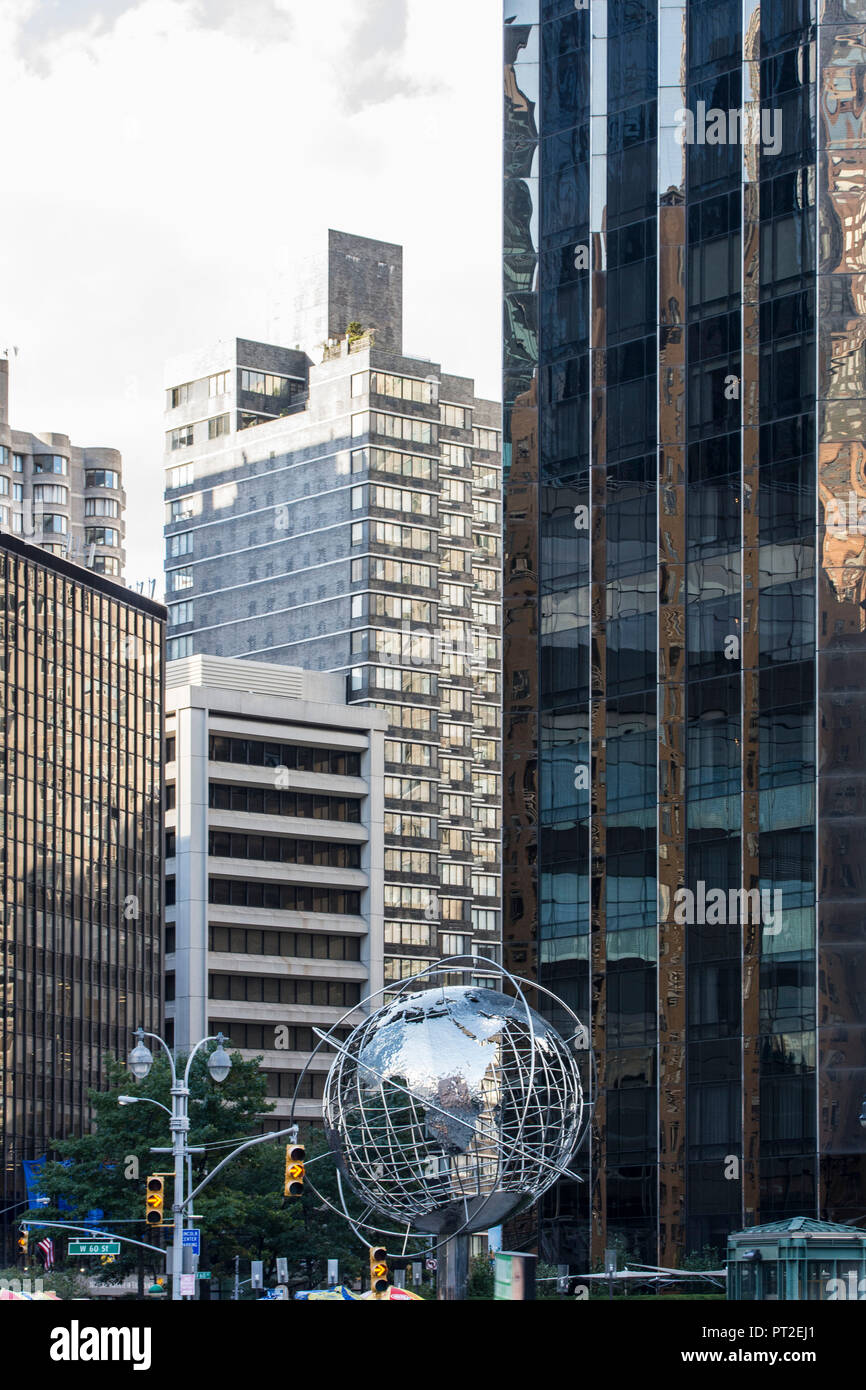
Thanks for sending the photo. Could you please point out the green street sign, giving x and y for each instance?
(202, 1274)
(94, 1247)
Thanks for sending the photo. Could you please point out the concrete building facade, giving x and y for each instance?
(67, 500)
(342, 513)
(274, 845)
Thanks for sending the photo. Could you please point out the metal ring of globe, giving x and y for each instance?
(453, 1108)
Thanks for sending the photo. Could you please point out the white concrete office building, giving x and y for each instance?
(274, 863)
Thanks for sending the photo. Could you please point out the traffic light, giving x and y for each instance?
(154, 1200)
(295, 1170)
(378, 1268)
(24, 1241)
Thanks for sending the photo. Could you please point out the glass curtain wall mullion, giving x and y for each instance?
(840, 39)
(749, 609)
(713, 707)
(787, 1022)
(522, 30)
(592, 574)
(672, 580)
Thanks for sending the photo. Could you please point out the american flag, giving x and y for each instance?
(47, 1248)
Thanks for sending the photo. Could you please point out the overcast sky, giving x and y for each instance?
(166, 162)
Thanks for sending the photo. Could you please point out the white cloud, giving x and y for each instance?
(166, 168)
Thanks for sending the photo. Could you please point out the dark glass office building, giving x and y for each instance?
(685, 607)
(81, 676)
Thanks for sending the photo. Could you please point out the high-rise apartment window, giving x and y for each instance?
(402, 537)
(17, 463)
(360, 382)
(105, 564)
(486, 479)
(409, 789)
(101, 506)
(180, 579)
(456, 417)
(455, 456)
(218, 425)
(55, 522)
(408, 827)
(178, 647)
(179, 477)
(407, 934)
(486, 512)
(395, 499)
(402, 427)
(18, 492)
(50, 463)
(406, 388)
(102, 477)
(406, 465)
(181, 544)
(180, 395)
(484, 919)
(267, 383)
(456, 561)
(180, 613)
(486, 439)
(409, 861)
(218, 384)
(4, 489)
(180, 438)
(101, 535)
(455, 524)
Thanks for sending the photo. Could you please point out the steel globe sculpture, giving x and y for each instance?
(449, 1109)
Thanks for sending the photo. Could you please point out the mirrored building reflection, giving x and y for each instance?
(685, 652)
(81, 663)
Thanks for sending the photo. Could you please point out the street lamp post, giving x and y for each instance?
(219, 1066)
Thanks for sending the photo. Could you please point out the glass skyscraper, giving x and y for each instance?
(81, 676)
(685, 655)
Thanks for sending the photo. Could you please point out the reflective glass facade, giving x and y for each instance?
(81, 680)
(684, 607)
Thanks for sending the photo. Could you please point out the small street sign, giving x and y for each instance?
(187, 1284)
(94, 1247)
(192, 1236)
(202, 1274)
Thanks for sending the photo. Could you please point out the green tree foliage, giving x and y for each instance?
(242, 1211)
(480, 1282)
(65, 1283)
